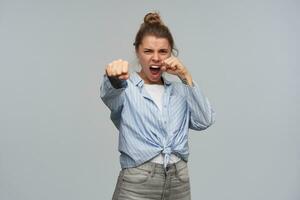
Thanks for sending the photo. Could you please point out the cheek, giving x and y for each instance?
(165, 57)
(168, 55)
(143, 59)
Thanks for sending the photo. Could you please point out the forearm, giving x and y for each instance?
(201, 113)
(186, 79)
(117, 83)
(111, 96)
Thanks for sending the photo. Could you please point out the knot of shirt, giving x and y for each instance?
(167, 152)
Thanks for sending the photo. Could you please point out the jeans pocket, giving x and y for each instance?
(136, 175)
(183, 174)
(118, 186)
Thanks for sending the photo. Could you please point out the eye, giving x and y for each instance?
(164, 51)
(147, 51)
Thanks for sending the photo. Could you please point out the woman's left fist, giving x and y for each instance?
(172, 65)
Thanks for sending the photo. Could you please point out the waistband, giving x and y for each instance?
(159, 168)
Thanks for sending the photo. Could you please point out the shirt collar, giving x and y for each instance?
(138, 81)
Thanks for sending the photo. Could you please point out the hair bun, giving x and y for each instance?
(153, 18)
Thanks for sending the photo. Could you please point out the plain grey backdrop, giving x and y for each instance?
(56, 138)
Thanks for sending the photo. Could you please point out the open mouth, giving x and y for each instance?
(154, 69)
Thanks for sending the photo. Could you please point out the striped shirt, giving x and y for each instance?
(144, 130)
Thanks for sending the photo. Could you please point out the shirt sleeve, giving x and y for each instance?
(201, 113)
(112, 93)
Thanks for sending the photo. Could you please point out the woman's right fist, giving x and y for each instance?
(118, 69)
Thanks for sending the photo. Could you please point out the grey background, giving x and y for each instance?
(56, 139)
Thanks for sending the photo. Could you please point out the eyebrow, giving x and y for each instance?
(147, 49)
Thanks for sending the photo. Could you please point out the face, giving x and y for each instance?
(151, 52)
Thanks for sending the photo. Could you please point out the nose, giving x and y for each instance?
(155, 57)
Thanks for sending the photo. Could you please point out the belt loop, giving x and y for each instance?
(176, 167)
(153, 165)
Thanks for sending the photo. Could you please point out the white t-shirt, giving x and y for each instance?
(156, 92)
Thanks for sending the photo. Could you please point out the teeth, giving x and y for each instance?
(154, 66)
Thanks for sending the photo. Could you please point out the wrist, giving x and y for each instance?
(186, 79)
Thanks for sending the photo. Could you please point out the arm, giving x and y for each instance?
(200, 111)
(112, 92)
(113, 86)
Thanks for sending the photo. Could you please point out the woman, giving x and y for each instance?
(153, 116)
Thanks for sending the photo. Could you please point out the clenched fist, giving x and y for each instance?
(173, 65)
(118, 69)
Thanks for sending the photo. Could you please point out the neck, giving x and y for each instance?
(147, 81)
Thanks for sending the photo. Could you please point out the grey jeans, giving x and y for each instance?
(151, 181)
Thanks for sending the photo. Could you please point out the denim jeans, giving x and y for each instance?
(151, 181)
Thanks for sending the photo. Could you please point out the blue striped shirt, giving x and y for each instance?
(145, 131)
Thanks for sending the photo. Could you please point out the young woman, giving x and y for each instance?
(153, 116)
